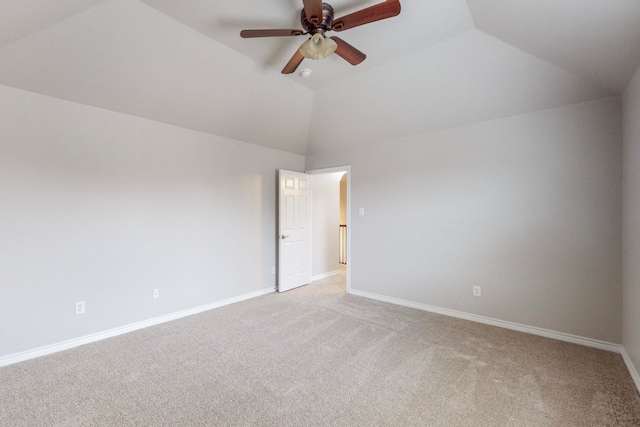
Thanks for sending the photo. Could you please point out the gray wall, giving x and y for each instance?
(527, 207)
(326, 223)
(631, 309)
(104, 207)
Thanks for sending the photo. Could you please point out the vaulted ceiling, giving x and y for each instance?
(439, 64)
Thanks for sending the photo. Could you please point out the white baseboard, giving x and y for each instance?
(76, 342)
(603, 345)
(324, 275)
(66, 345)
(632, 369)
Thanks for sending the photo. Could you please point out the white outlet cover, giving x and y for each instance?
(80, 307)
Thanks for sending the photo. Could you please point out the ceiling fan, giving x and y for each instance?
(316, 19)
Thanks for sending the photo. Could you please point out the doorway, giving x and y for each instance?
(332, 264)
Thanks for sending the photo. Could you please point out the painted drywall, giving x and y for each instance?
(466, 79)
(631, 307)
(326, 223)
(527, 207)
(103, 207)
(126, 56)
(591, 45)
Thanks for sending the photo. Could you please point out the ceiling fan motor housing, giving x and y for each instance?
(327, 20)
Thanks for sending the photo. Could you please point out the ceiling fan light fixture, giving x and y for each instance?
(318, 47)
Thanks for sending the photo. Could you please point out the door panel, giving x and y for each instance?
(294, 230)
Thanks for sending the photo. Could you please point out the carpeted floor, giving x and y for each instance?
(316, 356)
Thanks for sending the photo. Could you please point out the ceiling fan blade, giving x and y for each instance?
(247, 34)
(313, 10)
(293, 63)
(349, 53)
(388, 9)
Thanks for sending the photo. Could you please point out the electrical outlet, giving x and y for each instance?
(80, 307)
(156, 293)
(477, 291)
(273, 270)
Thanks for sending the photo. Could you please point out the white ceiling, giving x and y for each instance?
(466, 79)
(439, 64)
(21, 18)
(595, 38)
(421, 23)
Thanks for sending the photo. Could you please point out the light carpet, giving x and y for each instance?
(315, 356)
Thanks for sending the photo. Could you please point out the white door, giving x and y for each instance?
(294, 230)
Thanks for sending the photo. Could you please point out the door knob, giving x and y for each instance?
(283, 237)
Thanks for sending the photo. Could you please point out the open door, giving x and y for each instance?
(294, 230)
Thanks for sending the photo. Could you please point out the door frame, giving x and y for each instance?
(346, 169)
